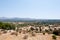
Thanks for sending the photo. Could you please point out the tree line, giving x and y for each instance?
(7, 26)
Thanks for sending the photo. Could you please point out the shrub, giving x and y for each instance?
(29, 30)
(14, 33)
(7, 26)
(23, 31)
(4, 32)
(54, 37)
(43, 33)
(55, 32)
(0, 33)
(33, 34)
(25, 37)
(32, 28)
(46, 30)
(19, 31)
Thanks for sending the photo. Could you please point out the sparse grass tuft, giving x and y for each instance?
(0, 33)
(23, 31)
(19, 31)
(4, 32)
(33, 34)
(25, 37)
(14, 33)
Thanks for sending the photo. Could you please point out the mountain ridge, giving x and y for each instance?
(3, 19)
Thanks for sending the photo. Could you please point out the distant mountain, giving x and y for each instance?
(15, 19)
(4, 19)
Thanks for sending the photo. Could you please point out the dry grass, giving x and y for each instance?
(19, 31)
(33, 34)
(25, 36)
(4, 32)
(0, 33)
(39, 36)
(14, 33)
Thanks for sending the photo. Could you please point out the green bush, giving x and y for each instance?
(7, 26)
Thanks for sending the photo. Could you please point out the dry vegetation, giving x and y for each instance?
(39, 36)
(30, 33)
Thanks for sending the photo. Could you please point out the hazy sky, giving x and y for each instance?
(42, 9)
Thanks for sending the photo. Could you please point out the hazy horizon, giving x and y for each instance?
(38, 9)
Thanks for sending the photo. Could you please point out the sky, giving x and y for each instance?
(39, 9)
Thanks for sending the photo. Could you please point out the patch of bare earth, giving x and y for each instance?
(38, 36)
